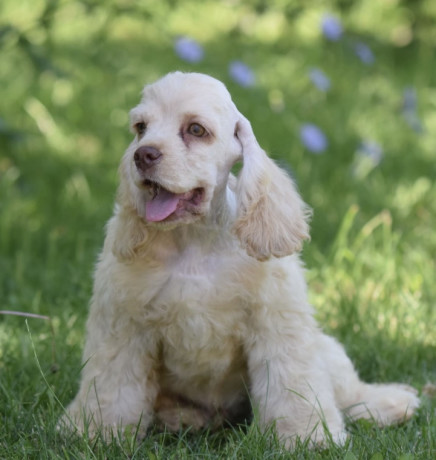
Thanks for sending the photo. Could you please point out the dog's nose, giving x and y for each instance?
(146, 156)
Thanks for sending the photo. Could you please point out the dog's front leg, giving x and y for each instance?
(119, 384)
(290, 386)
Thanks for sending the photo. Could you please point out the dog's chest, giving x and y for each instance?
(202, 298)
(202, 354)
(202, 317)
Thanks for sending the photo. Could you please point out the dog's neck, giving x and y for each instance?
(222, 209)
(213, 227)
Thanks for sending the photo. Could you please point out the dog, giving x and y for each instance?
(200, 303)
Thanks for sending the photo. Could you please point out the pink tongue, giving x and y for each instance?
(161, 206)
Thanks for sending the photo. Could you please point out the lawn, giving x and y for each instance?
(342, 94)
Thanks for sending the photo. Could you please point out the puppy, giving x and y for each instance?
(199, 301)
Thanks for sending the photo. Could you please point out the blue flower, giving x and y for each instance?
(320, 79)
(409, 99)
(331, 27)
(410, 104)
(371, 150)
(413, 121)
(364, 53)
(241, 74)
(313, 138)
(188, 50)
(368, 156)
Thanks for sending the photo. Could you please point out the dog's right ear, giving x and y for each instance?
(126, 234)
(271, 216)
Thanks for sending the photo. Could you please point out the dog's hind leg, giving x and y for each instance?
(384, 403)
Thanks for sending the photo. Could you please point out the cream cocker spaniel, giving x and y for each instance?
(199, 301)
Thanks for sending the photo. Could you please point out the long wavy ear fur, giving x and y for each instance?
(272, 218)
(126, 233)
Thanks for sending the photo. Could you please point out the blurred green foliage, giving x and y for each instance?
(71, 70)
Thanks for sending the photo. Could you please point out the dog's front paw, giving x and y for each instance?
(320, 436)
(91, 426)
(71, 422)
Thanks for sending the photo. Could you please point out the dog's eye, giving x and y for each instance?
(196, 130)
(140, 128)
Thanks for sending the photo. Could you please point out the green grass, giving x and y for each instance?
(69, 73)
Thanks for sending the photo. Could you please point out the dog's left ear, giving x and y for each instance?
(271, 216)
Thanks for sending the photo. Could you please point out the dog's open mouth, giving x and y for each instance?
(165, 204)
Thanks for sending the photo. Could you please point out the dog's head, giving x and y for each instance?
(183, 150)
(188, 135)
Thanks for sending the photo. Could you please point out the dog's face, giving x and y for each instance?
(188, 135)
(184, 147)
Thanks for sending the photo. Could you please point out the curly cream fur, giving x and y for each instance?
(192, 316)
(272, 218)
